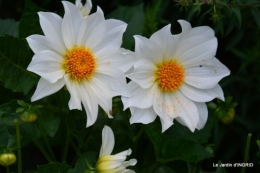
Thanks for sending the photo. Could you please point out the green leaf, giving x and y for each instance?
(54, 168)
(168, 148)
(255, 13)
(81, 165)
(237, 13)
(8, 113)
(8, 26)
(14, 58)
(29, 23)
(134, 17)
(49, 123)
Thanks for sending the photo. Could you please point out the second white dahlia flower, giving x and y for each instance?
(174, 75)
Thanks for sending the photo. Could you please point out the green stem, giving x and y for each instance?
(18, 141)
(136, 139)
(42, 149)
(246, 158)
(7, 169)
(65, 153)
(46, 141)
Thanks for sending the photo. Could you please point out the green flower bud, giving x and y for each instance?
(7, 159)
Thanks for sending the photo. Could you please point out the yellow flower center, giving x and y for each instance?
(80, 63)
(170, 75)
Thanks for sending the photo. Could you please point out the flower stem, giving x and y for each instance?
(46, 141)
(65, 153)
(248, 141)
(18, 141)
(7, 169)
(42, 149)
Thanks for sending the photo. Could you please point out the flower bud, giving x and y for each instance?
(7, 159)
(28, 117)
(228, 117)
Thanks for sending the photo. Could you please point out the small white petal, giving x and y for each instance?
(166, 42)
(141, 98)
(51, 27)
(107, 35)
(115, 58)
(70, 25)
(185, 26)
(87, 8)
(203, 114)
(144, 116)
(144, 73)
(88, 25)
(89, 101)
(44, 88)
(196, 50)
(207, 76)
(39, 43)
(187, 110)
(108, 141)
(103, 95)
(48, 65)
(73, 88)
(202, 95)
(201, 30)
(131, 162)
(147, 49)
(114, 79)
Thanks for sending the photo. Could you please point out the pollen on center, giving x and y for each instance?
(170, 76)
(80, 63)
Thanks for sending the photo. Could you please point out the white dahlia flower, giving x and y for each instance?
(84, 55)
(108, 163)
(84, 9)
(174, 75)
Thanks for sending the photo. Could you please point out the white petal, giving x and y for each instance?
(108, 34)
(147, 49)
(114, 79)
(73, 88)
(202, 95)
(78, 4)
(203, 114)
(144, 73)
(185, 27)
(115, 58)
(166, 42)
(141, 98)
(171, 105)
(144, 116)
(165, 109)
(131, 162)
(70, 25)
(88, 25)
(187, 111)
(207, 76)
(51, 26)
(87, 8)
(39, 43)
(44, 88)
(108, 141)
(201, 30)
(89, 101)
(48, 65)
(196, 50)
(102, 94)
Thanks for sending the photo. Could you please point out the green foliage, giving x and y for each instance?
(86, 162)
(29, 23)
(8, 26)
(54, 168)
(14, 58)
(134, 17)
(181, 146)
